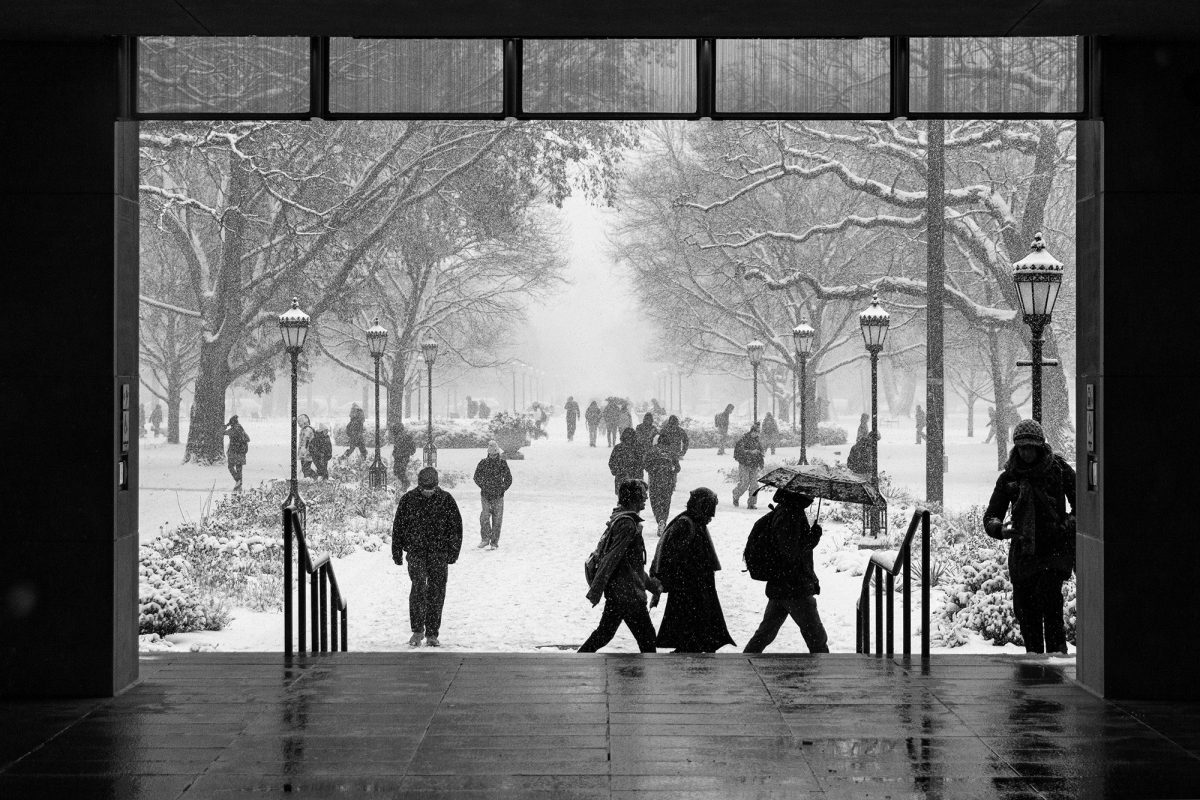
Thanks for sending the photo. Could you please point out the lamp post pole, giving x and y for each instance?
(803, 336)
(1038, 277)
(293, 328)
(429, 350)
(679, 394)
(754, 350)
(377, 343)
(874, 323)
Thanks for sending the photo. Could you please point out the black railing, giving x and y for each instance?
(882, 569)
(329, 632)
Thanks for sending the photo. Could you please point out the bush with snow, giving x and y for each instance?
(169, 601)
(704, 434)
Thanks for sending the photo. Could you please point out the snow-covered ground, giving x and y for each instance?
(529, 594)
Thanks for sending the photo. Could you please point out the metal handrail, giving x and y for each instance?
(325, 597)
(884, 565)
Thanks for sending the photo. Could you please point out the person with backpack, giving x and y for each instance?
(779, 551)
(592, 418)
(770, 432)
(320, 448)
(625, 460)
(673, 438)
(662, 467)
(354, 432)
(572, 411)
(620, 574)
(859, 459)
(303, 439)
(749, 457)
(919, 419)
(493, 477)
(239, 444)
(685, 564)
(428, 527)
(404, 447)
(1037, 484)
(645, 432)
(721, 421)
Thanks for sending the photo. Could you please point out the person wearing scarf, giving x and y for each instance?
(685, 563)
(1037, 485)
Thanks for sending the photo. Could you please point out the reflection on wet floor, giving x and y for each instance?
(566, 726)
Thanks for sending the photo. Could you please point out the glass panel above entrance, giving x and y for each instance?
(222, 75)
(1016, 75)
(416, 76)
(803, 76)
(609, 76)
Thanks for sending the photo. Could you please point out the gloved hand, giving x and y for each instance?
(816, 532)
(654, 585)
(994, 529)
(398, 560)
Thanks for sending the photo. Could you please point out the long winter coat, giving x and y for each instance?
(239, 444)
(685, 563)
(622, 571)
(661, 466)
(1043, 532)
(673, 439)
(492, 476)
(748, 451)
(354, 428)
(793, 540)
(427, 527)
(859, 458)
(645, 431)
(303, 438)
(572, 410)
(403, 445)
(592, 415)
(624, 419)
(320, 448)
(625, 460)
(611, 414)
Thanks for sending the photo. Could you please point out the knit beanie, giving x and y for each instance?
(427, 478)
(1028, 431)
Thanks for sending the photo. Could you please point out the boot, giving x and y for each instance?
(414, 640)
(432, 641)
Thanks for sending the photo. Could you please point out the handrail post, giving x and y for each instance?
(925, 585)
(906, 595)
(301, 606)
(864, 609)
(333, 626)
(345, 629)
(324, 582)
(890, 587)
(315, 600)
(878, 613)
(287, 581)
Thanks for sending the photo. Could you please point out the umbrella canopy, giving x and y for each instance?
(820, 480)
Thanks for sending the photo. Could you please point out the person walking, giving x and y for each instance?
(770, 432)
(625, 460)
(235, 456)
(919, 418)
(572, 410)
(624, 417)
(304, 436)
(592, 418)
(485, 411)
(859, 458)
(1037, 485)
(621, 577)
(320, 449)
(793, 586)
(428, 529)
(749, 456)
(493, 477)
(612, 419)
(685, 564)
(354, 433)
(721, 421)
(646, 431)
(404, 447)
(673, 438)
(156, 416)
(991, 424)
(662, 467)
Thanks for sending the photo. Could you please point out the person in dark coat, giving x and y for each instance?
(404, 447)
(485, 411)
(919, 418)
(304, 436)
(721, 421)
(864, 426)
(749, 457)
(621, 578)
(592, 418)
(673, 438)
(472, 407)
(662, 467)
(156, 417)
(792, 592)
(1037, 485)
(859, 458)
(645, 431)
(624, 417)
(239, 445)
(320, 449)
(991, 424)
(612, 419)
(354, 432)
(685, 564)
(493, 477)
(625, 460)
(572, 411)
(770, 432)
(428, 528)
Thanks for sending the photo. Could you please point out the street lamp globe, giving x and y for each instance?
(874, 321)
(377, 339)
(1038, 277)
(755, 351)
(429, 349)
(803, 335)
(293, 327)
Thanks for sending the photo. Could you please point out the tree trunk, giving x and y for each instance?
(971, 416)
(1056, 406)
(206, 438)
(1003, 394)
(174, 401)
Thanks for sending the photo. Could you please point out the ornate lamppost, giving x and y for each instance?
(377, 343)
(1038, 277)
(754, 350)
(679, 393)
(802, 337)
(874, 322)
(429, 349)
(293, 328)
(420, 363)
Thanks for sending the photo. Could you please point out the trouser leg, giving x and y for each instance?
(768, 629)
(435, 596)
(637, 619)
(419, 578)
(306, 467)
(803, 610)
(485, 519)
(232, 469)
(497, 518)
(1050, 608)
(323, 469)
(1029, 617)
(610, 619)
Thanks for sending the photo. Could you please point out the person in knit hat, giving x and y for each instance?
(428, 529)
(1037, 486)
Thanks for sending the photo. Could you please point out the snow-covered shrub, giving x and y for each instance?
(704, 434)
(169, 600)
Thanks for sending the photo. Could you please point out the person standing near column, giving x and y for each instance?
(919, 419)
(721, 422)
(592, 417)
(239, 445)
(748, 454)
(493, 477)
(404, 447)
(572, 409)
(428, 528)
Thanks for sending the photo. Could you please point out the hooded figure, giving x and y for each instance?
(428, 527)
(625, 460)
(493, 477)
(673, 438)
(662, 467)
(685, 563)
(919, 420)
(864, 426)
(612, 420)
(770, 432)
(404, 447)
(320, 448)
(646, 431)
(239, 444)
(572, 411)
(721, 422)
(749, 457)
(354, 432)
(304, 436)
(1037, 485)
(624, 417)
(592, 417)
(793, 591)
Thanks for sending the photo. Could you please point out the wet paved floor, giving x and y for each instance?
(567, 726)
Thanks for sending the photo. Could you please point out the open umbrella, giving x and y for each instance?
(820, 480)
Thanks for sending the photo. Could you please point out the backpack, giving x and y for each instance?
(319, 446)
(761, 554)
(591, 564)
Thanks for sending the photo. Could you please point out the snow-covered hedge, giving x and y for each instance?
(703, 435)
(169, 600)
(459, 435)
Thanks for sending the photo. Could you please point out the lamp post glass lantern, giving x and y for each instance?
(293, 329)
(802, 336)
(429, 349)
(1038, 278)
(377, 344)
(754, 351)
(874, 321)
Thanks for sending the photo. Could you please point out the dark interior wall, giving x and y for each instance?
(68, 198)
(1138, 206)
